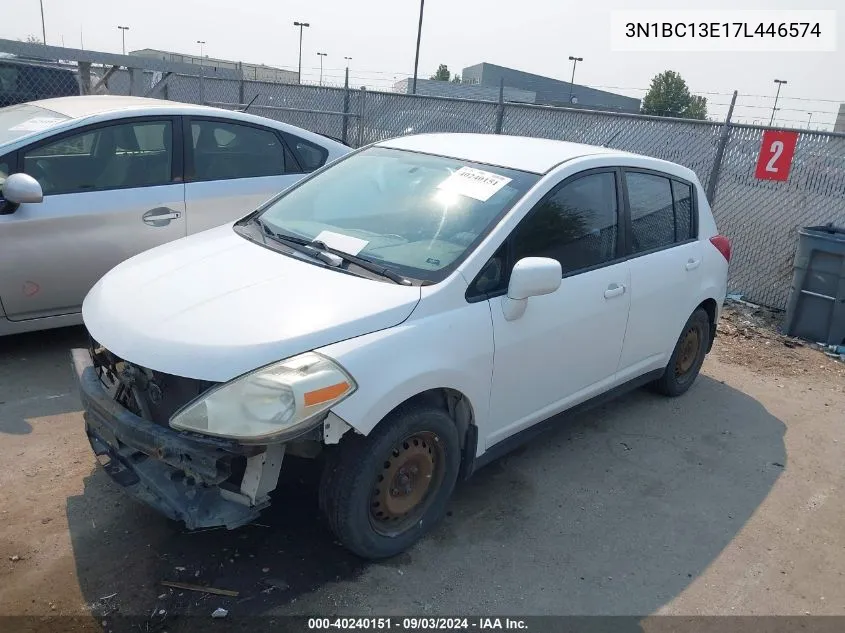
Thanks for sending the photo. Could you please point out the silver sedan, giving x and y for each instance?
(88, 182)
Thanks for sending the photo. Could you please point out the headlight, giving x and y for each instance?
(273, 403)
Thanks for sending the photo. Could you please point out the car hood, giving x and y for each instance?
(214, 305)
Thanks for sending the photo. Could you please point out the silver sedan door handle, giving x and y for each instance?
(692, 264)
(614, 290)
(160, 216)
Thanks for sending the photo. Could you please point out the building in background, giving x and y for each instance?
(256, 72)
(839, 126)
(548, 91)
(434, 88)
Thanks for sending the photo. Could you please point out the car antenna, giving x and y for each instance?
(615, 134)
(250, 103)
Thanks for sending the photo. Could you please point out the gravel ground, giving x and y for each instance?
(724, 501)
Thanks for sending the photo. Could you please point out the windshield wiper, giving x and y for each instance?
(361, 262)
(319, 250)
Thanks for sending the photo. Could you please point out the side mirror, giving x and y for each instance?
(21, 188)
(531, 277)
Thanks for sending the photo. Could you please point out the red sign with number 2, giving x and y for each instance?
(776, 155)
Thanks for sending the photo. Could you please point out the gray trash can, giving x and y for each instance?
(816, 308)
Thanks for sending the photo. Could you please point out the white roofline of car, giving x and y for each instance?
(530, 154)
(127, 107)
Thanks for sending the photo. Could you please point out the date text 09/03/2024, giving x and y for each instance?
(417, 624)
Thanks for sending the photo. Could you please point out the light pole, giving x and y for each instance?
(348, 59)
(417, 57)
(321, 66)
(301, 25)
(123, 30)
(43, 30)
(779, 82)
(202, 72)
(574, 61)
(809, 119)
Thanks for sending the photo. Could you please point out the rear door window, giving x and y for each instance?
(662, 211)
(223, 151)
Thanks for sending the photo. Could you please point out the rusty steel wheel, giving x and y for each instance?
(687, 357)
(689, 347)
(412, 471)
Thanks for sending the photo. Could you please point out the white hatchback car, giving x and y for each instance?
(86, 182)
(408, 314)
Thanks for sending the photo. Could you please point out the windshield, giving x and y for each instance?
(417, 214)
(23, 119)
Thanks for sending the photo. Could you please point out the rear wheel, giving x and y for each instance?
(687, 357)
(383, 492)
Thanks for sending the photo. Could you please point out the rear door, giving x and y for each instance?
(110, 191)
(232, 167)
(665, 263)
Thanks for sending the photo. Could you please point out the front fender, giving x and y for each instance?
(453, 350)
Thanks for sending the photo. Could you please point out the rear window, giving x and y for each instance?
(20, 120)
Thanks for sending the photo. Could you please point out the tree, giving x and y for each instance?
(456, 78)
(669, 96)
(442, 73)
(33, 39)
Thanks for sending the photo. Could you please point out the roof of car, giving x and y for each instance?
(81, 106)
(537, 155)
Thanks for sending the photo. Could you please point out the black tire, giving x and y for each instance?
(687, 357)
(352, 493)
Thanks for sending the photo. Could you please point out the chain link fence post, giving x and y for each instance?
(344, 134)
(84, 78)
(241, 84)
(720, 152)
(362, 107)
(500, 111)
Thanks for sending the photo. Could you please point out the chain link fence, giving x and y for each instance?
(760, 217)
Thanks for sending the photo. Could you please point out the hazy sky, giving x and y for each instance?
(380, 35)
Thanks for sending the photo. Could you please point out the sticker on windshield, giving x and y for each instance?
(474, 183)
(338, 241)
(36, 124)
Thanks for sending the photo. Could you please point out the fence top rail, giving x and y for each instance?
(255, 106)
(46, 53)
(612, 113)
(749, 126)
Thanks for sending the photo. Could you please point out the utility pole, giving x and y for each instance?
(779, 82)
(301, 25)
(809, 119)
(321, 66)
(417, 57)
(574, 61)
(123, 30)
(43, 29)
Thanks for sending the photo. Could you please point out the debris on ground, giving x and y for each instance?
(750, 335)
(14, 558)
(105, 606)
(200, 588)
(219, 612)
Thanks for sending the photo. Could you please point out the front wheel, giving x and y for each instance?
(383, 492)
(687, 357)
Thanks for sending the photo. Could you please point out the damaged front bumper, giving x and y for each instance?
(186, 477)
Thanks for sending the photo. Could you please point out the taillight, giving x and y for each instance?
(723, 245)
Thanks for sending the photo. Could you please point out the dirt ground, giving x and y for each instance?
(726, 501)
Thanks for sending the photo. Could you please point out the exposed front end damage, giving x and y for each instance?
(203, 481)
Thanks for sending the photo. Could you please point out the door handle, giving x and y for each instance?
(614, 290)
(692, 264)
(160, 216)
